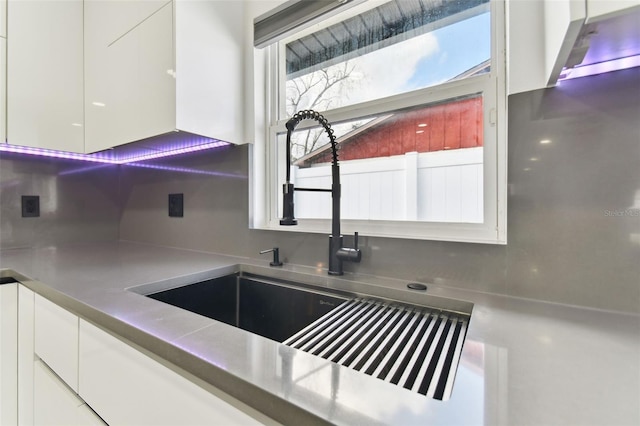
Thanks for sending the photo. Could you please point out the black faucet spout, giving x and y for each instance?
(337, 252)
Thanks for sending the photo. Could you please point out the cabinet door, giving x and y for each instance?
(210, 68)
(56, 339)
(118, 17)
(53, 402)
(563, 21)
(3, 89)
(3, 70)
(126, 387)
(129, 87)
(3, 18)
(26, 357)
(88, 417)
(45, 74)
(8, 353)
(603, 9)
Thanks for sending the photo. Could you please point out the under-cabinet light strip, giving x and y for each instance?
(51, 153)
(600, 68)
(112, 158)
(168, 153)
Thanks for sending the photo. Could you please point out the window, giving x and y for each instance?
(415, 94)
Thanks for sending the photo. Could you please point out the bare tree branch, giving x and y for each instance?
(320, 89)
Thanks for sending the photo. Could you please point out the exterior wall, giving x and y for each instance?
(452, 125)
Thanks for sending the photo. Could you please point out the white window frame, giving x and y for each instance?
(266, 191)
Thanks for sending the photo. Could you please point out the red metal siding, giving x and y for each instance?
(453, 125)
(436, 127)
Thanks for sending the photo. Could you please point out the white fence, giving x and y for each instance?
(442, 186)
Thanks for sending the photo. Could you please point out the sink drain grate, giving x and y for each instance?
(414, 347)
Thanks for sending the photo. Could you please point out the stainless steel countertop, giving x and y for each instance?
(524, 362)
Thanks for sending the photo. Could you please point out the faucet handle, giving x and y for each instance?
(350, 254)
(276, 256)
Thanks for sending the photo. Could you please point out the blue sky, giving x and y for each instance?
(457, 51)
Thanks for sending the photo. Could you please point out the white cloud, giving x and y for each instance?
(387, 71)
(378, 74)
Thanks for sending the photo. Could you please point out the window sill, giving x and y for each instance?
(435, 231)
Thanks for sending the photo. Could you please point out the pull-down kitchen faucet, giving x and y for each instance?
(337, 253)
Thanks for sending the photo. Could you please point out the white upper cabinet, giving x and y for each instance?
(84, 76)
(180, 68)
(604, 9)
(45, 74)
(563, 22)
(3, 18)
(114, 18)
(3, 89)
(210, 47)
(129, 83)
(3, 70)
(579, 33)
(547, 36)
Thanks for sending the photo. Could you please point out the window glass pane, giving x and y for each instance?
(397, 47)
(306, 145)
(422, 164)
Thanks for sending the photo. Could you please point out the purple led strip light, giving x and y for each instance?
(600, 67)
(51, 153)
(113, 159)
(155, 167)
(186, 170)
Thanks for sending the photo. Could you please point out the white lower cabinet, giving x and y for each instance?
(70, 372)
(56, 339)
(88, 417)
(54, 403)
(126, 387)
(26, 356)
(44, 386)
(8, 353)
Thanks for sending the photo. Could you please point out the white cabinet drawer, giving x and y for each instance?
(56, 339)
(87, 417)
(8, 353)
(126, 387)
(25, 355)
(54, 403)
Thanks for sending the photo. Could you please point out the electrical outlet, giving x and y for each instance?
(30, 206)
(176, 205)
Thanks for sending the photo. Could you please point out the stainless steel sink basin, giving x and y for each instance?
(416, 347)
(275, 310)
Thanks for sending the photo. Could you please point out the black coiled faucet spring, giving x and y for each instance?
(337, 253)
